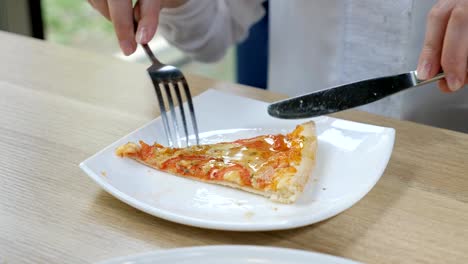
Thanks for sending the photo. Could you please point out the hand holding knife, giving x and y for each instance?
(346, 96)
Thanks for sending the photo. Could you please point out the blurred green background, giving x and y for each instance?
(75, 23)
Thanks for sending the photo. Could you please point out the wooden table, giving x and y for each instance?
(58, 106)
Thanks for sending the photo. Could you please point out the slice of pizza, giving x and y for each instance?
(275, 166)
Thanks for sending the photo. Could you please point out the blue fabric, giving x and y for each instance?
(252, 55)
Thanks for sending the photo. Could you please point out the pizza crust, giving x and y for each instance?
(288, 188)
(289, 192)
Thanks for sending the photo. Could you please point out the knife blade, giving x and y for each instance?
(346, 96)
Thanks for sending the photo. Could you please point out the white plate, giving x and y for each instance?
(230, 255)
(351, 158)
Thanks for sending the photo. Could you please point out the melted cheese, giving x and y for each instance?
(263, 157)
(233, 176)
(128, 149)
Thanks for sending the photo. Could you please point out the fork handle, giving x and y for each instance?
(151, 56)
(147, 49)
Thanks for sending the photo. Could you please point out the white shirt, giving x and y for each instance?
(315, 44)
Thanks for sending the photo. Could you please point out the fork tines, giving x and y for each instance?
(167, 87)
(170, 78)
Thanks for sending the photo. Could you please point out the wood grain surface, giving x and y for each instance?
(58, 106)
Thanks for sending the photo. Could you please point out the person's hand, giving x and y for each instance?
(446, 44)
(121, 13)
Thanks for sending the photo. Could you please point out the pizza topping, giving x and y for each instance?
(247, 162)
(146, 150)
(129, 149)
(271, 165)
(235, 173)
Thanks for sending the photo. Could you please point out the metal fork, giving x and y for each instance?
(166, 76)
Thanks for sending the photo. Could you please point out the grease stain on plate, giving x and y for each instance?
(249, 214)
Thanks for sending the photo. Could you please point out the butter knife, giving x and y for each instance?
(346, 96)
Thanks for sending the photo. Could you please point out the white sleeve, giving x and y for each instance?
(204, 29)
